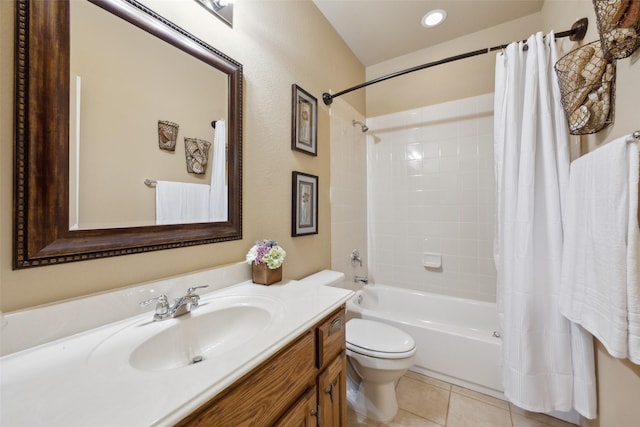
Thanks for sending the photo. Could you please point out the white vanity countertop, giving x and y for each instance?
(64, 383)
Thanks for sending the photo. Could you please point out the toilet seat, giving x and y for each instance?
(376, 339)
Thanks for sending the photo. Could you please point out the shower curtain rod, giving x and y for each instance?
(576, 33)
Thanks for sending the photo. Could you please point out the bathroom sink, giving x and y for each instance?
(194, 339)
(212, 330)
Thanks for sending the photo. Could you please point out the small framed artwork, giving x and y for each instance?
(304, 204)
(304, 121)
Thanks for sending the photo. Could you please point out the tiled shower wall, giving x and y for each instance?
(348, 191)
(431, 190)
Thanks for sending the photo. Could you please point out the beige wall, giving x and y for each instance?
(447, 82)
(618, 380)
(278, 43)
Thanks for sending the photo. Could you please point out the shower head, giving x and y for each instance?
(362, 125)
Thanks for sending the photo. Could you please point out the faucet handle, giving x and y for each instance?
(162, 299)
(355, 258)
(193, 297)
(162, 308)
(191, 291)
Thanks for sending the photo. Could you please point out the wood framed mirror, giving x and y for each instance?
(42, 235)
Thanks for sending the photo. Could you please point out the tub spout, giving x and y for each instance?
(360, 279)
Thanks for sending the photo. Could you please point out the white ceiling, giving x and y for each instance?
(378, 30)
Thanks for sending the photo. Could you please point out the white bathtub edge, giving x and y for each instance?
(459, 382)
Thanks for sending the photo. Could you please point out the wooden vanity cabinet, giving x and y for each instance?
(303, 385)
(332, 365)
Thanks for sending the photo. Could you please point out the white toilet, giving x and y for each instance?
(378, 354)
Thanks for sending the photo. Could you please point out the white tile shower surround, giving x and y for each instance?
(431, 188)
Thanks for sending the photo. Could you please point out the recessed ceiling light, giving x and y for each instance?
(433, 18)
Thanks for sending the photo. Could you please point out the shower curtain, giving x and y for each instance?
(548, 362)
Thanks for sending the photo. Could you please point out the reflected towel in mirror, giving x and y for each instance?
(181, 202)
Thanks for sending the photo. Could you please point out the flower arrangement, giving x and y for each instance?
(266, 252)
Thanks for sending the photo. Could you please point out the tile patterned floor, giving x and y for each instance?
(427, 402)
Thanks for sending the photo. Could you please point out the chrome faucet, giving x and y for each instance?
(182, 305)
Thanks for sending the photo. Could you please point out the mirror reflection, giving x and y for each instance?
(140, 109)
(88, 137)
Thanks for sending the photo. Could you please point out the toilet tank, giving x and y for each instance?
(326, 278)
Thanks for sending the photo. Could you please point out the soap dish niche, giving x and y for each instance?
(432, 261)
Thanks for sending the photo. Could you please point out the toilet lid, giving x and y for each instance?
(377, 339)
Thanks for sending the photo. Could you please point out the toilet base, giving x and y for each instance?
(376, 401)
(373, 401)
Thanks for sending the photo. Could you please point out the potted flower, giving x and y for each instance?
(266, 259)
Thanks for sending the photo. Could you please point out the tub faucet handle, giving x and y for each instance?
(355, 258)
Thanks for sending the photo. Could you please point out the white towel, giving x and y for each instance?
(181, 202)
(633, 254)
(600, 277)
(218, 199)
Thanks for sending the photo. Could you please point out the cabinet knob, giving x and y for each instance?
(316, 413)
(335, 326)
(331, 391)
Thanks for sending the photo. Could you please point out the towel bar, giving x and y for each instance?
(150, 182)
(634, 136)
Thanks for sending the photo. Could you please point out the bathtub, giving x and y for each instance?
(454, 336)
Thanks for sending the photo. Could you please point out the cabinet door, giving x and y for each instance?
(263, 395)
(332, 393)
(303, 413)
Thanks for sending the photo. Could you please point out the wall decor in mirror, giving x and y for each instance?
(222, 9)
(84, 147)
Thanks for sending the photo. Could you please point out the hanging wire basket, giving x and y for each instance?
(619, 26)
(196, 152)
(587, 88)
(167, 135)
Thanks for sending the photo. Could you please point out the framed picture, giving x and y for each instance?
(304, 204)
(304, 121)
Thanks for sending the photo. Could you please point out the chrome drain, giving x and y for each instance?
(197, 359)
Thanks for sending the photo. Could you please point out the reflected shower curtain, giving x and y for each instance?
(218, 198)
(547, 361)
